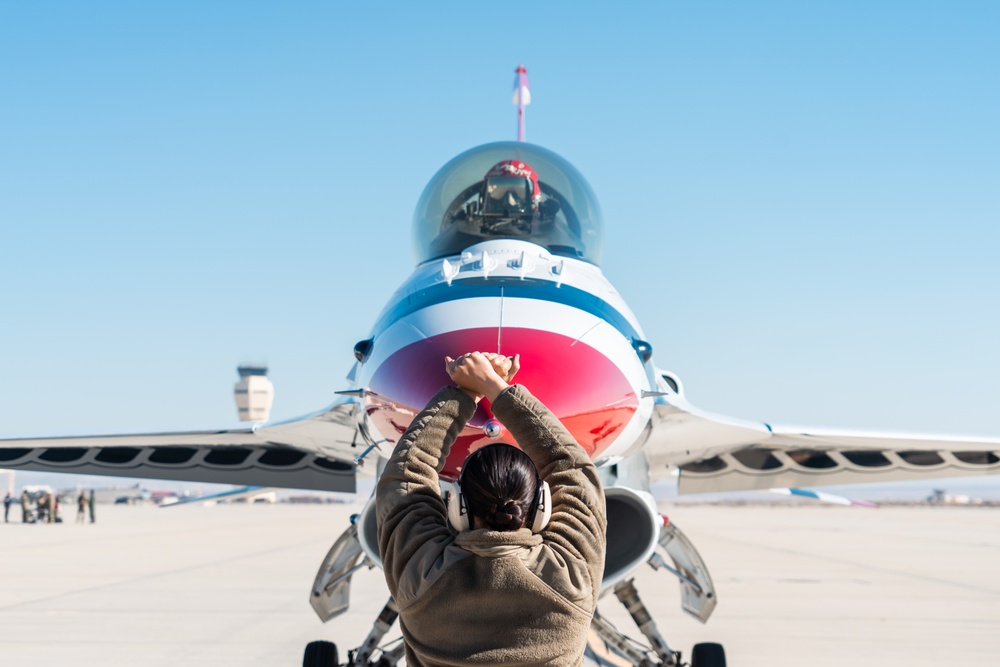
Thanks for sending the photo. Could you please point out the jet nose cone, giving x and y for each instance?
(580, 385)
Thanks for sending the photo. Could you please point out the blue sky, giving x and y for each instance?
(802, 201)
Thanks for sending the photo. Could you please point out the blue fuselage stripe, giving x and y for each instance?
(476, 288)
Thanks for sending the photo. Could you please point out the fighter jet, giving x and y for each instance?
(509, 239)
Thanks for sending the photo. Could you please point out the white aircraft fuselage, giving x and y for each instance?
(508, 238)
(576, 336)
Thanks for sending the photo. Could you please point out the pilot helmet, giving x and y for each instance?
(512, 182)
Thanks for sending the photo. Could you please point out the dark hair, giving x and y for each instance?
(500, 483)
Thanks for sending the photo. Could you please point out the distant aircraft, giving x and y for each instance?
(509, 241)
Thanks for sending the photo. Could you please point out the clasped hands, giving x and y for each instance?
(482, 374)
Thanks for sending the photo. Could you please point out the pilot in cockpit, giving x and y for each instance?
(510, 196)
(509, 200)
(495, 192)
(511, 186)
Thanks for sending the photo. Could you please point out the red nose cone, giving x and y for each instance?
(581, 386)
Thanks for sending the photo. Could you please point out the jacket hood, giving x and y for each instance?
(496, 543)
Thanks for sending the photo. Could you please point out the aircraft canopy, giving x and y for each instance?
(508, 190)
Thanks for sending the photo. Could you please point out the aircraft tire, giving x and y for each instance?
(320, 654)
(708, 655)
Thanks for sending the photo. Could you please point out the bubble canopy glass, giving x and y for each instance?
(508, 190)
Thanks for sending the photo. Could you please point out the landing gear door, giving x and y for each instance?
(697, 591)
(331, 592)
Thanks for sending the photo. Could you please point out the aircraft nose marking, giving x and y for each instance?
(584, 388)
(529, 288)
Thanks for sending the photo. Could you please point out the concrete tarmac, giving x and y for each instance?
(229, 585)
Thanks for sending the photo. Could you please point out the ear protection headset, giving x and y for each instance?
(538, 515)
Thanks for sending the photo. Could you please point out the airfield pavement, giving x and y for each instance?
(228, 585)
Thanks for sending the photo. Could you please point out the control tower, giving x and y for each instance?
(254, 393)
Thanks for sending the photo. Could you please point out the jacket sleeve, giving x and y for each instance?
(412, 518)
(579, 515)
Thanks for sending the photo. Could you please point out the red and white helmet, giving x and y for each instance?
(517, 168)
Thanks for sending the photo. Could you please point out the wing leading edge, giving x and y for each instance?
(312, 452)
(716, 453)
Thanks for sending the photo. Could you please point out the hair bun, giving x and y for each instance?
(508, 516)
(500, 483)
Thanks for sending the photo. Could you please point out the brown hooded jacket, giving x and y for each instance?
(486, 597)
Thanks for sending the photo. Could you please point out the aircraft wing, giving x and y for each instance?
(312, 452)
(716, 453)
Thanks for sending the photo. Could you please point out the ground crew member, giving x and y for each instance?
(497, 591)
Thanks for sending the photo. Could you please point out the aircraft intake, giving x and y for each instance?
(633, 531)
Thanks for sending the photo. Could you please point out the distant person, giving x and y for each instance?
(24, 506)
(56, 517)
(7, 500)
(515, 579)
(81, 508)
(90, 505)
(41, 508)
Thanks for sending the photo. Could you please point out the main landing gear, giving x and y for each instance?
(609, 647)
(369, 654)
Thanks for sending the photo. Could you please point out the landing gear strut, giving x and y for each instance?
(658, 655)
(318, 655)
(697, 599)
(361, 657)
(608, 646)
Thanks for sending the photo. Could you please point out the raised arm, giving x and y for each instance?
(579, 516)
(412, 519)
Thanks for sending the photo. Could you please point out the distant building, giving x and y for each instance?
(254, 393)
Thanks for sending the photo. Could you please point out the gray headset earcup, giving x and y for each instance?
(543, 512)
(458, 512)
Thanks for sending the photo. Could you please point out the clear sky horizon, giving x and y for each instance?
(801, 200)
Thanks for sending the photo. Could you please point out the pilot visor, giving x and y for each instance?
(498, 187)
